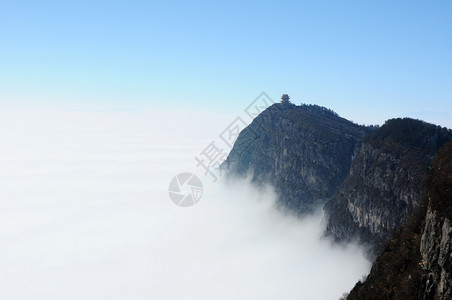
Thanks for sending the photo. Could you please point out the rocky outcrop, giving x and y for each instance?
(376, 185)
(435, 244)
(304, 151)
(385, 182)
(435, 251)
(416, 263)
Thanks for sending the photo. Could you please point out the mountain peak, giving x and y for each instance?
(304, 151)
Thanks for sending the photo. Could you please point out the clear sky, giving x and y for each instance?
(367, 60)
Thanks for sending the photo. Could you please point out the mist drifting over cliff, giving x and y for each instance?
(85, 213)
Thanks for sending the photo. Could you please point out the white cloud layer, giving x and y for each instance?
(85, 214)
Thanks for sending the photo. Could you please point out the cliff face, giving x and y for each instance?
(435, 250)
(385, 182)
(305, 152)
(416, 263)
(377, 184)
(435, 244)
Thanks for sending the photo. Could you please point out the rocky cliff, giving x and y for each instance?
(304, 151)
(375, 186)
(385, 182)
(416, 262)
(436, 244)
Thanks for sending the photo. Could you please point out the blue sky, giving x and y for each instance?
(369, 61)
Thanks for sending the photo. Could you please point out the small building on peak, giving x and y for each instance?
(285, 99)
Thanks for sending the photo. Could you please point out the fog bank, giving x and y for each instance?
(85, 214)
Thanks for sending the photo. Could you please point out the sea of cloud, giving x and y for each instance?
(85, 214)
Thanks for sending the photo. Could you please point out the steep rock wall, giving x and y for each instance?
(305, 152)
(385, 182)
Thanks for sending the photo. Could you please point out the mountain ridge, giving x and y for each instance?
(303, 151)
(372, 182)
(415, 263)
(385, 182)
